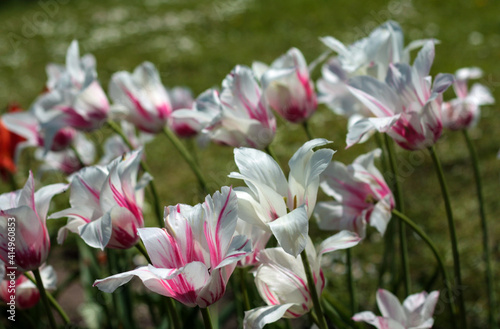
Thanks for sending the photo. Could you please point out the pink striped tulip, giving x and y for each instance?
(106, 204)
(406, 106)
(23, 213)
(464, 111)
(194, 255)
(288, 88)
(415, 313)
(275, 204)
(23, 291)
(140, 98)
(282, 282)
(361, 196)
(74, 97)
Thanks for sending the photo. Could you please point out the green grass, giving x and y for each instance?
(196, 43)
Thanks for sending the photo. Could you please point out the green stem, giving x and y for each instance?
(187, 157)
(270, 151)
(206, 318)
(350, 282)
(246, 300)
(307, 129)
(52, 300)
(139, 246)
(172, 312)
(43, 295)
(145, 167)
(431, 245)
(77, 155)
(453, 235)
(484, 227)
(312, 289)
(391, 154)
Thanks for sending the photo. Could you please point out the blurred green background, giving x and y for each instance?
(196, 43)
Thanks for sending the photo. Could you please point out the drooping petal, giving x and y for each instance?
(257, 318)
(342, 240)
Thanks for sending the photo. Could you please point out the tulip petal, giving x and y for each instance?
(150, 280)
(342, 240)
(291, 230)
(389, 306)
(257, 318)
(97, 233)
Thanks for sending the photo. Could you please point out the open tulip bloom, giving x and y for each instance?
(406, 106)
(194, 255)
(288, 88)
(140, 98)
(464, 111)
(28, 210)
(275, 204)
(74, 97)
(26, 292)
(415, 313)
(106, 204)
(361, 196)
(282, 283)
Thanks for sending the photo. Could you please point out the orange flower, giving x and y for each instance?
(8, 144)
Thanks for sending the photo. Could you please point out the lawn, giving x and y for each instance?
(197, 43)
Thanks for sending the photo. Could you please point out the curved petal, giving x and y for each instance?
(389, 306)
(257, 318)
(342, 240)
(97, 233)
(291, 230)
(150, 280)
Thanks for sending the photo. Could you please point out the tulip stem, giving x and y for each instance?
(139, 246)
(45, 301)
(206, 318)
(172, 312)
(350, 282)
(187, 157)
(246, 300)
(145, 167)
(431, 245)
(52, 300)
(307, 129)
(453, 235)
(312, 289)
(398, 195)
(484, 227)
(77, 155)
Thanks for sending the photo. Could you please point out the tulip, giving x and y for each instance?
(26, 292)
(464, 111)
(106, 204)
(66, 161)
(405, 106)
(259, 240)
(275, 204)
(204, 112)
(23, 213)
(282, 283)
(415, 313)
(140, 98)
(74, 97)
(288, 88)
(245, 120)
(194, 255)
(361, 196)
